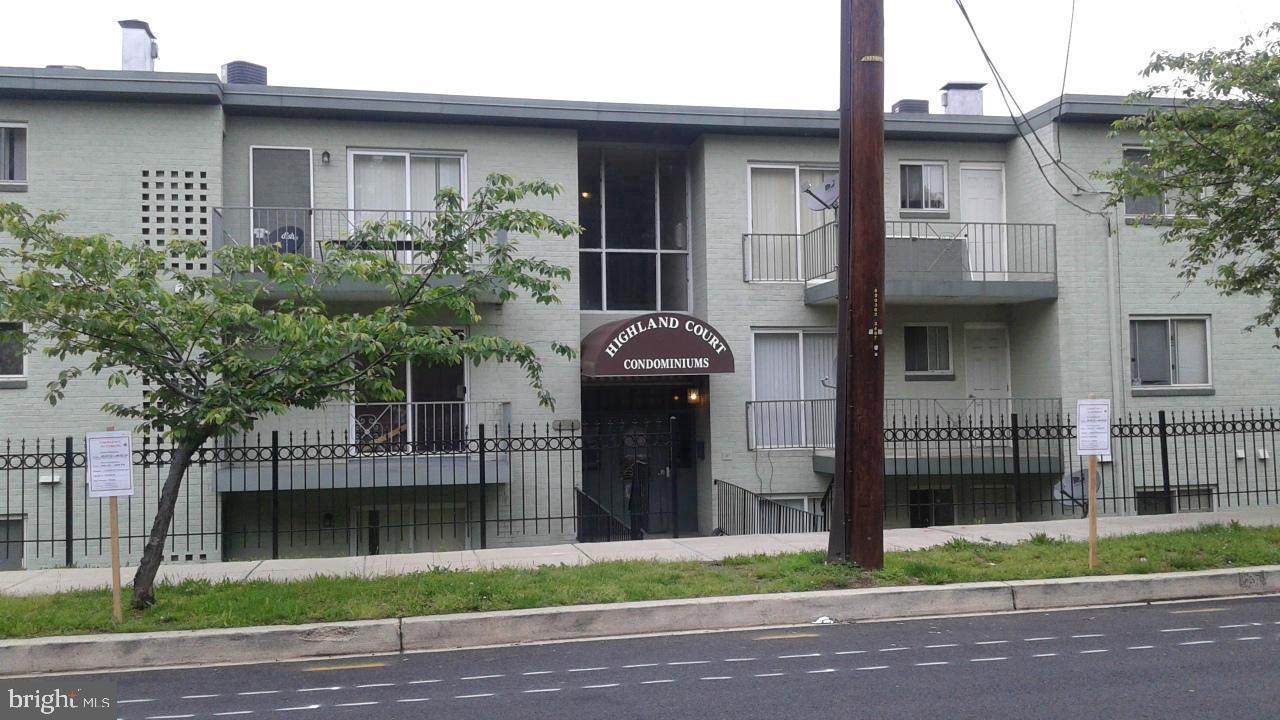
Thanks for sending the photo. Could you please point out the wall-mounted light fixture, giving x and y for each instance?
(324, 158)
(694, 396)
(586, 195)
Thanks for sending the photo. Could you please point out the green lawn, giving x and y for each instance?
(196, 604)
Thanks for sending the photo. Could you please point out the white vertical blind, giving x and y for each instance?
(1192, 346)
(428, 175)
(379, 182)
(775, 249)
(819, 373)
(777, 377)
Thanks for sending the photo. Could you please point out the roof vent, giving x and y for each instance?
(962, 98)
(239, 72)
(911, 106)
(138, 49)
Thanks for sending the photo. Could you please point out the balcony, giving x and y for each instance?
(962, 433)
(314, 231)
(925, 261)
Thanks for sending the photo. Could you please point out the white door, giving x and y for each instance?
(986, 369)
(982, 209)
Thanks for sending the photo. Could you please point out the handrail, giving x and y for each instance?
(740, 511)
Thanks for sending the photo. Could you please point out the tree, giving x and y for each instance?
(1215, 160)
(255, 336)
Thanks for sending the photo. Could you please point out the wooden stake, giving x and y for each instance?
(1093, 507)
(116, 611)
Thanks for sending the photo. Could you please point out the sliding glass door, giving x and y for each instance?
(400, 186)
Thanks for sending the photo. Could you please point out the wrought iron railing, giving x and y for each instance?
(742, 512)
(914, 249)
(313, 231)
(435, 426)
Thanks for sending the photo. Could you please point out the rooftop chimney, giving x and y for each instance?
(138, 46)
(911, 106)
(239, 72)
(962, 98)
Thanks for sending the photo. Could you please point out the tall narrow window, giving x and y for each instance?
(13, 362)
(13, 154)
(634, 248)
(1141, 204)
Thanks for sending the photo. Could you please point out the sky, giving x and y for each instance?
(744, 53)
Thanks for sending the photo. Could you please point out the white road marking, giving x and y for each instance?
(1141, 647)
(413, 699)
(1198, 642)
(373, 685)
(803, 655)
(991, 642)
(1091, 652)
(320, 689)
(944, 645)
(139, 700)
(1046, 655)
(1038, 639)
(1251, 637)
(1088, 636)
(468, 697)
(597, 687)
(656, 682)
(541, 690)
(689, 662)
(637, 665)
(990, 659)
(851, 652)
(717, 677)
(819, 672)
(1189, 629)
(233, 712)
(927, 664)
(422, 682)
(259, 692)
(479, 677)
(873, 667)
(1237, 625)
(739, 659)
(299, 707)
(197, 697)
(590, 669)
(894, 649)
(538, 672)
(357, 704)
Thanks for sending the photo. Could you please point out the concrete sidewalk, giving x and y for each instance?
(40, 582)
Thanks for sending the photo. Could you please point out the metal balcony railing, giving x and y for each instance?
(914, 249)
(311, 231)
(810, 424)
(426, 426)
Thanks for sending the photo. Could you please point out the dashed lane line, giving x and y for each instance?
(422, 682)
(587, 669)
(717, 677)
(601, 686)
(739, 659)
(820, 672)
(233, 712)
(137, 700)
(1251, 637)
(689, 662)
(1183, 629)
(482, 677)
(169, 717)
(1092, 652)
(1094, 635)
(1140, 647)
(412, 700)
(944, 645)
(894, 649)
(873, 667)
(930, 664)
(538, 672)
(851, 652)
(376, 685)
(357, 704)
(1039, 639)
(987, 659)
(1046, 655)
(540, 690)
(469, 697)
(799, 655)
(656, 682)
(1198, 642)
(298, 707)
(258, 692)
(639, 665)
(991, 642)
(772, 674)
(320, 689)
(201, 697)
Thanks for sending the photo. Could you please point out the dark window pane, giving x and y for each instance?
(1149, 341)
(1143, 204)
(675, 281)
(631, 281)
(911, 180)
(13, 154)
(589, 197)
(630, 199)
(673, 209)
(939, 350)
(589, 280)
(916, 347)
(10, 349)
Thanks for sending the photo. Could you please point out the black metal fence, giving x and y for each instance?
(1005, 467)
(280, 495)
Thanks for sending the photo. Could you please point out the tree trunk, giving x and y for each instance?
(144, 580)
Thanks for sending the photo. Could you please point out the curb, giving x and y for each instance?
(80, 653)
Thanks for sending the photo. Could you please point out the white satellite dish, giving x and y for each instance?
(825, 196)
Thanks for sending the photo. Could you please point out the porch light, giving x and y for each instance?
(694, 396)
(324, 158)
(586, 194)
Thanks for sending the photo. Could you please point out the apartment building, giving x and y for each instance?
(703, 284)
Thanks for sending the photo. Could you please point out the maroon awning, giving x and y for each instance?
(655, 344)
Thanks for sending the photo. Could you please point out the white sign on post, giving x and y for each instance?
(1093, 427)
(109, 463)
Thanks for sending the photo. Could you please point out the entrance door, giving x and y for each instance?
(433, 415)
(986, 361)
(280, 193)
(982, 209)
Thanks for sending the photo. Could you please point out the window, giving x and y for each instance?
(927, 349)
(1169, 351)
(13, 153)
(1143, 204)
(922, 186)
(13, 361)
(794, 384)
(634, 211)
(402, 186)
(779, 219)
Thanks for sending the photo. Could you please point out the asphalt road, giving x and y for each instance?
(1217, 659)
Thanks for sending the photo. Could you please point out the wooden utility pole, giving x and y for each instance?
(857, 523)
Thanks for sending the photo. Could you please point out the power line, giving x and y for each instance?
(1066, 63)
(1015, 111)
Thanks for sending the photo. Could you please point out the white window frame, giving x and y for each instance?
(796, 169)
(1169, 334)
(946, 185)
(951, 350)
(25, 362)
(604, 249)
(26, 152)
